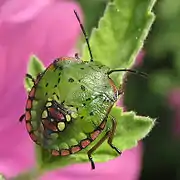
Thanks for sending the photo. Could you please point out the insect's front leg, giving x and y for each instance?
(30, 77)
(96, 147)
(111, 135)
(22, 118)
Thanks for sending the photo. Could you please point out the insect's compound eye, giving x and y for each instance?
(55, 61)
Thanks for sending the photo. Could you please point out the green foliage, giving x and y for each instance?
(34, 68)
(165, 41)
(120, 34)
(166, 29)
(115, 43)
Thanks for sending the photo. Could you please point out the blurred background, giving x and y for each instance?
(159, 95)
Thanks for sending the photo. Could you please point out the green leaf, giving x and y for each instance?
(34, 68)
(121, 33)
(2, 177)
(130, 129)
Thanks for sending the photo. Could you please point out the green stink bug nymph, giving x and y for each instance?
(69, 104)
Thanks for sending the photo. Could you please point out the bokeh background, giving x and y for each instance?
(49, 29)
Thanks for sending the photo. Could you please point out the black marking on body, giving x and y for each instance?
(55, 86)
(100, 66)
(47, 84)
(46, 93)
(82, 68)
(54, 93)
(88, 99)
(82, 117)
(91, 113)
(83, 88)
(59, 79)
(70, 80)
(59, 74)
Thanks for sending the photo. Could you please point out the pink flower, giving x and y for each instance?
(139, 59)
(46, 28)
(49, 29)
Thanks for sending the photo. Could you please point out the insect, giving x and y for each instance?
(68, 107)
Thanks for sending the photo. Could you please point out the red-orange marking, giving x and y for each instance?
(32, 92)
(55, 152)
(85, 143)
(56, 114)
(68, 58)
(75, 149)
(51, 67)
(95, 134)
(65, 152)
(49, 125)
(28, 126)
(102, 125)
(29, 104)
(28, 116)
(37, 80)
(33, 137)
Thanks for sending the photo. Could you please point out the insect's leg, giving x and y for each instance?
(40, 74)
(111, 135)
(30, 77)
(95, 147)
(21, 118)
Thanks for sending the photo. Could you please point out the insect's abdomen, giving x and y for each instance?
(83, 95)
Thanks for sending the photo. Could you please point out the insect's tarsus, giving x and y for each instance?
(129, 70)
(85, 35)
(21, 118)
(30, 77)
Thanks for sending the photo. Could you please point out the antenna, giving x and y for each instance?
(129, 70)
(85, 35)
